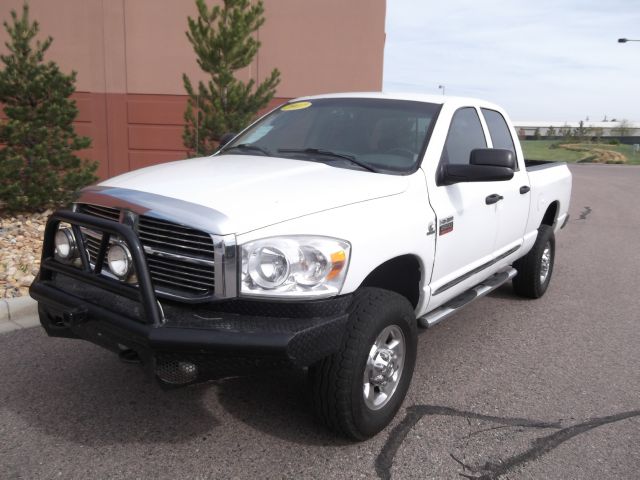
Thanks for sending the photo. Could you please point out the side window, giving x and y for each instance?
(498, 129)
(465, 134)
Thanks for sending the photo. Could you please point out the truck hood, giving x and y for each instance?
(246, 192)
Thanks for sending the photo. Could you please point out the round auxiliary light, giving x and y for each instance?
(119, 260)
(65, 244)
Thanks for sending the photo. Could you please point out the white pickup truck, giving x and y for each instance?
(321, 236)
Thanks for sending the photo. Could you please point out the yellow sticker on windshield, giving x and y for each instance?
(295, 106)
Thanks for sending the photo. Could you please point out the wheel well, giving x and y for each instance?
(550, 215)
(400, 274)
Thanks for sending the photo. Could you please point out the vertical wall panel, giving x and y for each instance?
(91, 121)
(117, 132)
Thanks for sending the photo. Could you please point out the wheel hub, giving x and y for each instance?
(384, 367)
(545, 262)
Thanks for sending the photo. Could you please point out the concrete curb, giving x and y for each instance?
(18, 313)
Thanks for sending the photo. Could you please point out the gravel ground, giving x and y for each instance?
(20, 246)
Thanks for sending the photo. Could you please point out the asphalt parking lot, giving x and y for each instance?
(508, 388)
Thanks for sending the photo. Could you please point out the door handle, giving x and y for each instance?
(493, 198)
(524, 189)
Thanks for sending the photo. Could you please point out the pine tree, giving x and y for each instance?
(551, 132)
(597, 133)
(38, 167)
(623, 129)
(223, 42)
(581, 132)
(566, 132)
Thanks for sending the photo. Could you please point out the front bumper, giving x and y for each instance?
(177, 342)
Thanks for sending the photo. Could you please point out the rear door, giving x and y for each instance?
(513, 209)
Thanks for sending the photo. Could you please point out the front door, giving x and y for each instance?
(466, 226)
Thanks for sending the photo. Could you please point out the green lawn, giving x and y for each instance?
(541, 150)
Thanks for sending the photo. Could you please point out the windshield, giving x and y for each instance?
(361, 133)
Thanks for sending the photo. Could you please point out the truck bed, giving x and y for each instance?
(532, 165)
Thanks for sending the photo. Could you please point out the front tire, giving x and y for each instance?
(358, 390)
(536, 267)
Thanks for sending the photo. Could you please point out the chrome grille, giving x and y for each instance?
(180, 259)
(102, 212)
(180, 274)
(174, 238)
(93, 244)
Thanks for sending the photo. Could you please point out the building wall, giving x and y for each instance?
(130, 56)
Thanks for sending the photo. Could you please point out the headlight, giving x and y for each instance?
(65, 244)
(119, 260)
(268, 267)
(295, 266)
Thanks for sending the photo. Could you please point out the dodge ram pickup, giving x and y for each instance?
(323, 236)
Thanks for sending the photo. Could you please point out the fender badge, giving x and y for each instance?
(446, 225)
(432, 229)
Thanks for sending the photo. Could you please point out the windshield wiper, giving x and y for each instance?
(249, 146)
(329, 153)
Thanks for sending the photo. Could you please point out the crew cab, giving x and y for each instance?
(324, 235)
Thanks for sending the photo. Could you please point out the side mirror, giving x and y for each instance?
(494, 157)
(485, 165)
(226, 138)
(451, 174)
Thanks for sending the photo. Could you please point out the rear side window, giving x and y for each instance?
(498, 129)
(465, 134)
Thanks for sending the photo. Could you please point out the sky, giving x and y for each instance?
(541, 60)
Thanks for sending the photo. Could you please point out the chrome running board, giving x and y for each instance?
(464, 299)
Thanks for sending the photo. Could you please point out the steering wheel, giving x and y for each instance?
(401, 151)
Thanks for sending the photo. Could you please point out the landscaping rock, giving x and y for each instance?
(20, 249)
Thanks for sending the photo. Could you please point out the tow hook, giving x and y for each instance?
(74, 317)
(129, 356)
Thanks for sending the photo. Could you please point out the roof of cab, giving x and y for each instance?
(416, 97)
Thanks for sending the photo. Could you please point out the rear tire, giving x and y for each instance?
(358, 390)
(536, 267)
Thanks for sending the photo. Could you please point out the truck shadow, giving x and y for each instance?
(65, 388)
(505, 292)
(83, 394)
(278, 404)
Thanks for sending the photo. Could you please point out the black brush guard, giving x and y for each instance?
(213, 341)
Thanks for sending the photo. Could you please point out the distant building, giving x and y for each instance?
(602, 129)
